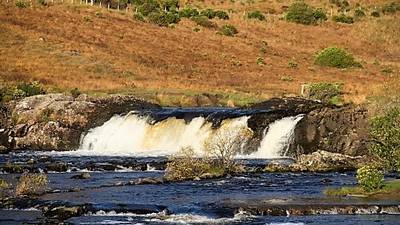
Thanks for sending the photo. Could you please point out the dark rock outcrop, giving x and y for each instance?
(56, 121)
(342, 130)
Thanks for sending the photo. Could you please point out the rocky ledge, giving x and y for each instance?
(57, 121)
(320, 161)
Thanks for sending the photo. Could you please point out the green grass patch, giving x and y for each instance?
(389, 187)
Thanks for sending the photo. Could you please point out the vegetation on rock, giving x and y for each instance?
(31, 184)
(326, 92)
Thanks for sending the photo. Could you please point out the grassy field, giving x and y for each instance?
(66, 46)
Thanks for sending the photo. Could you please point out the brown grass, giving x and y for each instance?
(114, 53)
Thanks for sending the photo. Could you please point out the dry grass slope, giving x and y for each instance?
(98, 51)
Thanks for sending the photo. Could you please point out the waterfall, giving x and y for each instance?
(277, 139)
(136, 135)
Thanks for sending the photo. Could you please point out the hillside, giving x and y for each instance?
(65, 46)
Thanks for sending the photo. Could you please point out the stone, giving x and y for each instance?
(57, 121)
(84, 175)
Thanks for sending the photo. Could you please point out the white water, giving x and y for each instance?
(277, 140)
(132, 135)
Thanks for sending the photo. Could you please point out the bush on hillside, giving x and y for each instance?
(164, 19)
(31, 89)
(326, 92)
(300, 12)
(359, 12)
(228, 30)
(256, 15)
(149, 6)
(375, 13)
(320, 14)
(169, 5)
(138, 16)
(336, 57)
(385, 138)
(188, 12)
(221, 15)
(75, 92)
(204, 22)
(391, 8)
(31, 184)
(209, 13)
(22, 4)
(370, 178)
(342, 18)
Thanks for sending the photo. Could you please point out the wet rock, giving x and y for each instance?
(4, 150)
(131, 208)
(57, 167)
(326, 180)
(66, 212)
(81, 176)
(57, 121)
(147, 180)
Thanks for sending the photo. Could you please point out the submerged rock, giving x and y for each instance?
(81, 176)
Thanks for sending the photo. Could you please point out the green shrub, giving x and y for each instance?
(4, 186)
(375, 13)
(359, 12)
(326, 92)
(300, 12)
(385, 137)
(287, 78)
(188, 12)
(164, 18)
(149, 6)
(336, 57)
(342, 18)
(256, 15)
(370, 178)
(228, 30)
(138, 16)
(75, 92)
(209, 13)
(204, 22)
(320, 15)
(31, 184)
(169, 5)
(340, 3)
(42, 2)
(292, 63)
(30, 89)
(260, 61)
(22, 4)
(222, 15)
(391, 8)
